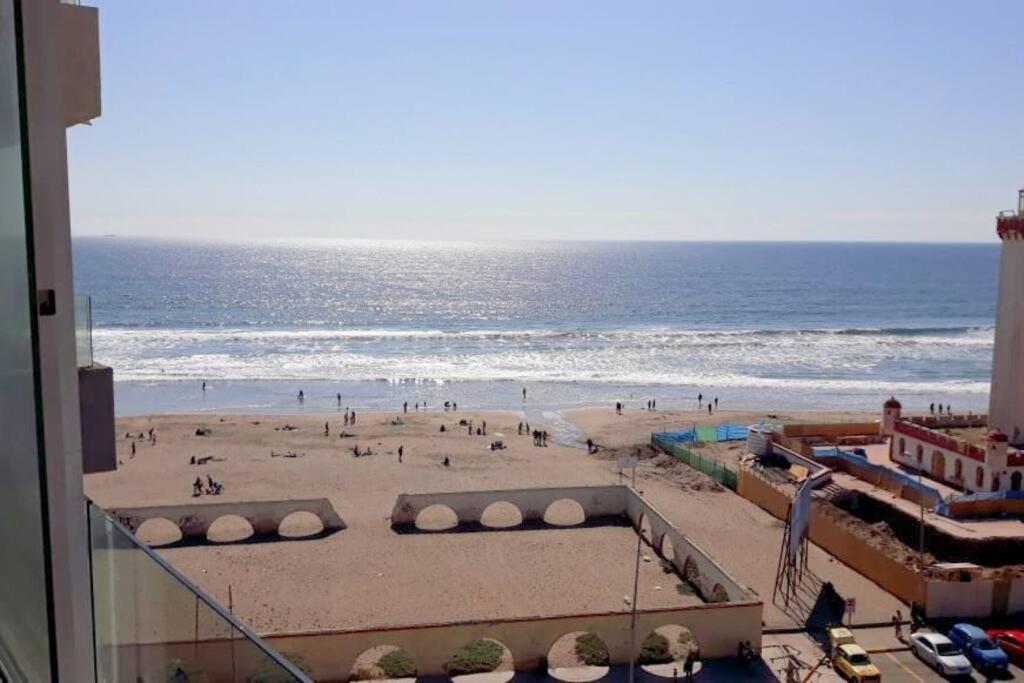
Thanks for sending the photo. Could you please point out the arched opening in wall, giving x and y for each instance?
(229, 529)
(481, 656)
(938, 466)
(958, 470)
(979, 477)
(668, 551)
(995, 483)
(1015, 480)
(920, 454)
(690, 583)
(300, 524)
(663, 652)
(565, 512)
(903, 446)
(436, 517)
(383, 661)
(158, 531)
(578, 656)
(501, 515)
(719, 594)
(645, 530)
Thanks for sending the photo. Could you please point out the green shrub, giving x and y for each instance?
(591, 650)
(397, 664)
(655, 650)
(478, 657)
(719, 594)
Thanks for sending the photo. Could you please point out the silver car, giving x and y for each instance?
(939, 652)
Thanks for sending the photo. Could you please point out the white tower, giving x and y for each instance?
(1006, 397)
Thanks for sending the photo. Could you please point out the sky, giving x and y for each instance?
(868, 120)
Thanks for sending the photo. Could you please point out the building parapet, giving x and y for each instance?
(940, 440)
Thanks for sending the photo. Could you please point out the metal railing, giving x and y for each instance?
(83, 330)
(152, 624)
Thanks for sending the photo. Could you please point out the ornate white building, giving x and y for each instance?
(991, 461)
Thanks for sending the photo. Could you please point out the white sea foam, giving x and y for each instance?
(951, 360)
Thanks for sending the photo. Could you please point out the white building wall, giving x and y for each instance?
(969, 466)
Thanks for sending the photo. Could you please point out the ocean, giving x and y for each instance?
(771, 326)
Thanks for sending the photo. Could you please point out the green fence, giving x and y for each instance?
(724, 475)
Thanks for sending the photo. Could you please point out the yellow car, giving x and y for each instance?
(852, 663)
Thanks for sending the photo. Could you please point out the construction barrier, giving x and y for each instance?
(710, 434)
(718, 471)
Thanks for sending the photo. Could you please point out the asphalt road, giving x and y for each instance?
(904, 666)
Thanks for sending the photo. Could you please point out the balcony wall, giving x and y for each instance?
(79, 33)
(96, 402)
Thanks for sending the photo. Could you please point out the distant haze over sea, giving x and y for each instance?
(766, 325)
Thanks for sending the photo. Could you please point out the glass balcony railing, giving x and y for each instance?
(153, 625)
(83, 330)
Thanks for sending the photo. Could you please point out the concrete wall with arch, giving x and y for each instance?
(195, 520)
(469, 506)
(717, 628)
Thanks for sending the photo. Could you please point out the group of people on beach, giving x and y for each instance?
(700, 402)
(949, 409)
(213, 487)
(148, 436)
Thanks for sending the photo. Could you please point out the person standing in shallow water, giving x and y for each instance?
(524, 393)
(302, 396)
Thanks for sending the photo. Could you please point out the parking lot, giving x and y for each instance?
(904, 666)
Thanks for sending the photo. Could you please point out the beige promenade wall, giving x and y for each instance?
(331, 655)
(469, 506)
(195, 520)
(718, 629)
(839, 541)
(959, 599)
(830, 431)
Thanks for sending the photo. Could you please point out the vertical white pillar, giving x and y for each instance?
(1006, 397)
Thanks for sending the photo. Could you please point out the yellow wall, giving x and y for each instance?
(837, 540)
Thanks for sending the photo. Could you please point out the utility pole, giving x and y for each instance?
(632, 621)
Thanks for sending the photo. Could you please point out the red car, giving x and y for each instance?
(1012, 643)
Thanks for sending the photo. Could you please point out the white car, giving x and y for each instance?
(939, 652)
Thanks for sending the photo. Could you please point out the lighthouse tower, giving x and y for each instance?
(1006, 398)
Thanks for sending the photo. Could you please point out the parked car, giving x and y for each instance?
(981, 650)
(839, 635)
(939, 652)
(1012, 643)
(852, 662)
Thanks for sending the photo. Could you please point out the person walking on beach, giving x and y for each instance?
(339, 399)
(931, 408)
(940, 409)
(204, 385)
(524, 393)
(405, 407)
(654, 404)
(483, 424)
(700, 401)
(401, 449)
(327, 428)
(520, 428)
(352, 419)
(716, 403)
(455, 406)
(709, 407)
(302, 396)
(133, 448)
(346, 417)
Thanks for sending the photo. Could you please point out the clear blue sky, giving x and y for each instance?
(571, 120)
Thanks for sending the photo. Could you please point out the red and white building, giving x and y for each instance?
(992, 462)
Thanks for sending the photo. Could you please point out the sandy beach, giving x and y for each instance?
(369, 575)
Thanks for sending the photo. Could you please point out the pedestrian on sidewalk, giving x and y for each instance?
(897, 624)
